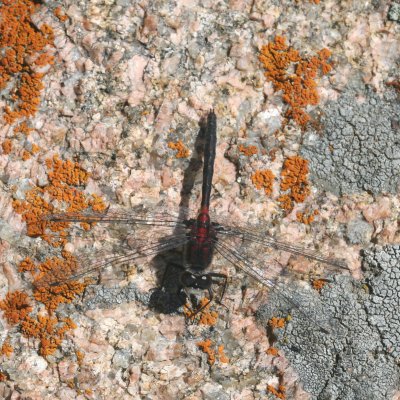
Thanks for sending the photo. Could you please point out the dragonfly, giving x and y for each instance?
(200, 237)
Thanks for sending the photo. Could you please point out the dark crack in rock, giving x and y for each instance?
(358, 358)
(360, 148)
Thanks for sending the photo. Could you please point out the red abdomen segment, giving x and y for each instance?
(201, 246)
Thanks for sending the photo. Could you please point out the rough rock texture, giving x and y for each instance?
(359, 358)
(131, 76)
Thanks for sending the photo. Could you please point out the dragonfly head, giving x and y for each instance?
(195, 281)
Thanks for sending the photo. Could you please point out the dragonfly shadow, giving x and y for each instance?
(167, 297)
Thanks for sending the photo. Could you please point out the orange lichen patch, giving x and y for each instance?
(6, 146)
(26, 155)
(299, 88)
(306, 218)
(275, 322)
(44, 59)
(35, 148)
(6, 349)
(263, 180)
(272, 351)
(16, 307)
(311, 1)
(49, 280)
(318, 284)
(248, 150)
(23, 128)
(79, 357)
(63, 177)
(59, 14)
(204, 316)
(205, 348)
(49, 330)
(182, 151)
(279, 393)
(294, 178)
(222, 356)
(27, 98)
(66, 172)
(22, 43)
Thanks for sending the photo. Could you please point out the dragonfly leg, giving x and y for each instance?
(209, 300)
(225, 283)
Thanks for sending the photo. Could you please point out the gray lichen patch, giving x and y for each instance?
(383, 304)
(394, 12)
(358, 358)
(359, 148)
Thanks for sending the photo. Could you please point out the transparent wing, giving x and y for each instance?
(89, 266)
(139, 216)
(261, 241)
(243, 263)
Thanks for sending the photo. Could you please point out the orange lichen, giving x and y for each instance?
(311, 1)
(294, 178)
(79, 357)
(222, 356)
(306, 218)
(205, 348)
(23, 128)
(3, 377)
(26, 155)
(6, 146)
(263, 180)
(66, 172)
(49, 330)
(23, 43)
(63, 177)
(49, 280)
(280, 393)
(16, 307)
(299, 89)
(44, 59)
(35, 148)
(6, 349)
(182, 151)
(318, 284)
(276, 322)
(272, 351)
(248, 150)
(205, 316)
(59, 14)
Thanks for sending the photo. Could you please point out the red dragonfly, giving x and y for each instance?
(200, 237)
